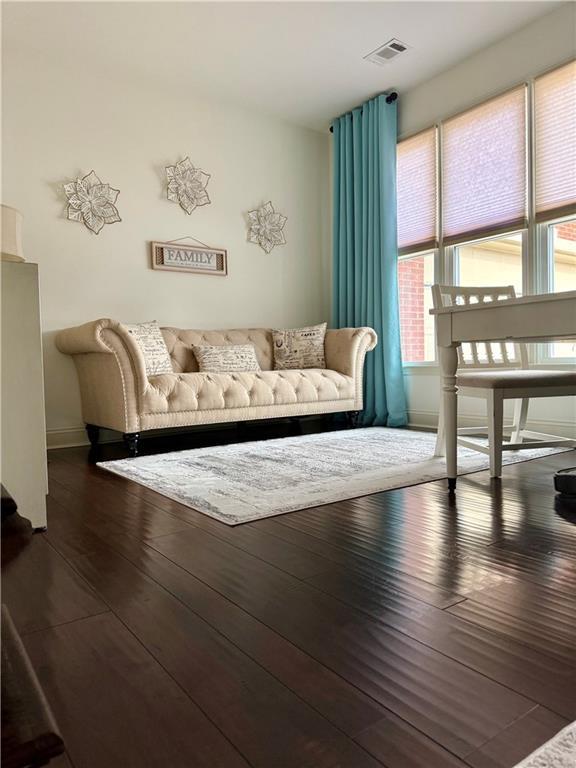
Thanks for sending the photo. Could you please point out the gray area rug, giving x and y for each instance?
(559, 752)
(248, 481)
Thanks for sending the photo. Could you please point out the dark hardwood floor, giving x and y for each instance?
(404, 629)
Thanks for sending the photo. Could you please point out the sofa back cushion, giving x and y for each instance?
(180, 342)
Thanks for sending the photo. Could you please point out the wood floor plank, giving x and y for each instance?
(455, 568)
(520, 612)
(375, 591)
(73, 532)
(361, 567)
(445, 565)
(289, 558)
(394, 740)
(266, 721)
(550, 570)
(94, 499)
(115, 705)
(450, 702)
(534, 673)
(518, 598)
(69, 536)
(41, 590)
(517, 741)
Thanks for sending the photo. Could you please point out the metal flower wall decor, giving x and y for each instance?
(187, 185)
(266, 227)
(91, 202)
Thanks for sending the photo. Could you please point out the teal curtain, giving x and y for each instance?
(365, 290)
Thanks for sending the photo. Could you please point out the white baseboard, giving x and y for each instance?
(429, 419)
(75, 436)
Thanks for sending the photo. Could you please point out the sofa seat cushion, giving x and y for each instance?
(171, 393)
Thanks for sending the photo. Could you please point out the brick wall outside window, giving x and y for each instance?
(411, 293)
(567, 230)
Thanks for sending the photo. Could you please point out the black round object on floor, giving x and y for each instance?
(565, 481)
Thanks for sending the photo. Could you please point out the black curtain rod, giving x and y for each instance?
(389, 100)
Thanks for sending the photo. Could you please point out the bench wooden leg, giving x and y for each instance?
(520, 417)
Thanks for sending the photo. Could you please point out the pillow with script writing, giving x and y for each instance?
(299, 347)
(227, 358)
(150, 340)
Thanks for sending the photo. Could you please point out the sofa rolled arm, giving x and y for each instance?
(104, 335)
(345, 349)
(84, 338)
(107, 337)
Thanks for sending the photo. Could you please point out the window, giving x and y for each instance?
(562, 243)
(417, 179)
(415, 278)
(496, 261)
(488, 197)
(563, 236)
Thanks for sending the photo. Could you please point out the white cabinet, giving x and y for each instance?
(23, 427)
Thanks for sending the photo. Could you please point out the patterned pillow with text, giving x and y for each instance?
(299, 347)
(227, 358)
(149, 338)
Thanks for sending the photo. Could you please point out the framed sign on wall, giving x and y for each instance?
(200, 260)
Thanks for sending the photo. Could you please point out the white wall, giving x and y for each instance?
(62, 121)
(547, 42)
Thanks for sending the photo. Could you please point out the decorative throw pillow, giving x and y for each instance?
(149, 338)
(228, 358)
(300, 347)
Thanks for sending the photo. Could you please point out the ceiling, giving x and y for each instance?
(300, 61)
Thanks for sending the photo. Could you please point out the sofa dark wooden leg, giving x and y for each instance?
(295, 425)
(131, 439)
(352, 418)
(93, 433)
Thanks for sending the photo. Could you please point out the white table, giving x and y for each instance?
(539, 318)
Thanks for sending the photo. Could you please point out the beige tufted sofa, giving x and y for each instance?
(117, 394)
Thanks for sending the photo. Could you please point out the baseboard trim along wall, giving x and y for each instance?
(426, 420)
(429, 419)
(75, 437)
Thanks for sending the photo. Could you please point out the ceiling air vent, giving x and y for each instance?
(386, 52)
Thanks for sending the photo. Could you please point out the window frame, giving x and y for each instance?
(407, 257)
(537, 253)
(546, 282)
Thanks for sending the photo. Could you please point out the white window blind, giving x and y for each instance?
(555, 142)
(416, 192)
(484, 169)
